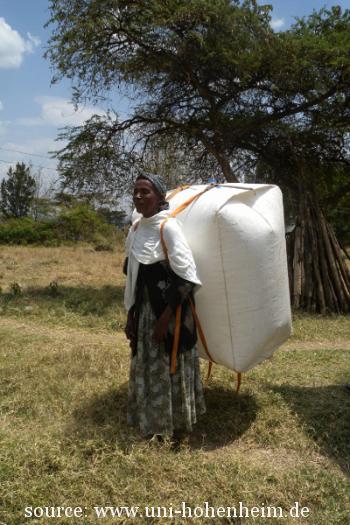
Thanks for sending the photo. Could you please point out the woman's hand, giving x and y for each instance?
(162, 325)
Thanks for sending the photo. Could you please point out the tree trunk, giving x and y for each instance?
(226, 168)
(318, 276)
(221, 157)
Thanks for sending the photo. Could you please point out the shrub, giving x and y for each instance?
(26, 231)
(81, 223)
(102, 244)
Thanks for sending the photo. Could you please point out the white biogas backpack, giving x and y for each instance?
(237, 237)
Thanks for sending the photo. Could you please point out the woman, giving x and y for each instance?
(159, 402)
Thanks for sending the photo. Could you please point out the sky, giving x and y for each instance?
(32, 110)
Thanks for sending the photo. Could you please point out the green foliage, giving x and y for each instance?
(43, 208)
(101, 244)
(80, 223)
(339, 219)
(17, 192)
(116, 217)
(98, 147)
(66, 200)
(26, 231)
(213, 72)
(334, 189)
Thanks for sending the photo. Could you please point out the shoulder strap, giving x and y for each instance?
(176, 191)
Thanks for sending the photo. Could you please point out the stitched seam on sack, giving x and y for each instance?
(226, 292)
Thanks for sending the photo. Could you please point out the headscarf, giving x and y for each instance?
(159, 185)
(157, 181)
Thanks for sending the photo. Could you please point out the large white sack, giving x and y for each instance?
(236, 233)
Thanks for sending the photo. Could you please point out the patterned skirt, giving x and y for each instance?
(159, 403)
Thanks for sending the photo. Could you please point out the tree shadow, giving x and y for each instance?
(325, 415)
(103, 417)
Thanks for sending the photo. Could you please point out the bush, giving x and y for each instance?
(81, 223)
(26, 231)
(101, 244)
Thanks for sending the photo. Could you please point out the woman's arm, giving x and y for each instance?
(179, 253)
(184, 276)
(175, 295)
(178, 292)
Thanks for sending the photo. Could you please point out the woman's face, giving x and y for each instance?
(146, 198)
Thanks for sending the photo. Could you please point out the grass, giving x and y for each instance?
(72, 286)
(63, 384)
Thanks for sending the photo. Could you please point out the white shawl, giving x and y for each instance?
(143, 245)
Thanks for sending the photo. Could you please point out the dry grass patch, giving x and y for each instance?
(317, 328)
(67, 286)
(64, 438)
(78, 265)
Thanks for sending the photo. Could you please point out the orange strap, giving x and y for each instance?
(239, 379)
(176, 339)
(189, 201)
(210, 366)
(178, 210)
(175, 192)
(200, 330)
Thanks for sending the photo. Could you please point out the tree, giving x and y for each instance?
(43, 206)
(99, 164)
(319, 277)
(96, 163)
(213, 71)
(215, 74)
(186, 60)
(17, 191)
